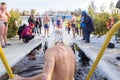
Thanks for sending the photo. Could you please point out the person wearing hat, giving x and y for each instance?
(88, 26)
(27, 33)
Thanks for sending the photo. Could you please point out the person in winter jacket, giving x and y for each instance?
(89, 27)
(27, 33)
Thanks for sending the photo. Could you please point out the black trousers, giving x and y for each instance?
(28, 38)
(40, 29)
(77, 31)
(68, 30)
(87, 36)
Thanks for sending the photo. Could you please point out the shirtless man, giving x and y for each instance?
(59, 64)
(3, 24)
(73, 24)
(46, 21)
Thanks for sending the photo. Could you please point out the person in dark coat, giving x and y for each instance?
(31, 19)
(40, 24)
(89, 27)
(36, 28)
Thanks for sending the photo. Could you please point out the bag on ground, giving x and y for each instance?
(111, 45)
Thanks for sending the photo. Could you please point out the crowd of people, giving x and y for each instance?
(78, 26)
(60, 58)
(75, 25)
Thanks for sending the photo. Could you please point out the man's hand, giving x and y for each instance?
(16, 77)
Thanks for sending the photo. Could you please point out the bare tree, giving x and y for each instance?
(102, 8)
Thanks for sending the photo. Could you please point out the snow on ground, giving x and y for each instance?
(99, 40)
(109, 65)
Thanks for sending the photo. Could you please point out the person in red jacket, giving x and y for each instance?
(110, 23)
(27, 33)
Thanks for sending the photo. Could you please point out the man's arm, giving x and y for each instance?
(48, 67)
(43, 20)
(8, 14)
(49, 64)
(49, 19)
(47, 70)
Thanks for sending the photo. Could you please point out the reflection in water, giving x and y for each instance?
(32, 64)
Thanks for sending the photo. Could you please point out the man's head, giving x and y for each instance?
(32, 16)
(46, 15)
(3, 6)
(59, 36)
(84, 13)
(59, 17)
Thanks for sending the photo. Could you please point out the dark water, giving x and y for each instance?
(32, 65)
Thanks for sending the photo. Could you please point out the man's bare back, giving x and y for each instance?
(59, 64)
(64, 67)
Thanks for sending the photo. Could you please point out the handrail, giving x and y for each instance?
(6, 65)
(103, 48)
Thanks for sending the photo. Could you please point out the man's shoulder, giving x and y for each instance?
(54, 48)
(50, 53)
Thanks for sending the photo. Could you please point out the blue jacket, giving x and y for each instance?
(88, 22)
(82, 24)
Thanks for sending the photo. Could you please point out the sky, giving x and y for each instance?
(45, 5)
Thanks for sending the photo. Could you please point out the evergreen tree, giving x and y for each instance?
(13, 23)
